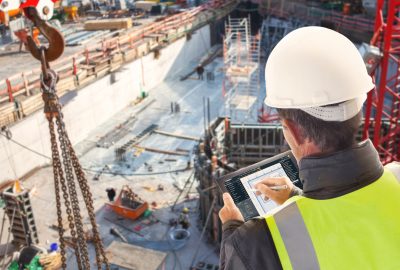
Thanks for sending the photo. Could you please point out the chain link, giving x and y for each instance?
(69, 166)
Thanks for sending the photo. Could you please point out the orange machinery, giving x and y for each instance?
(128, 204)
(11, 13)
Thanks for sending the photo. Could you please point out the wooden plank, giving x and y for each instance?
(116, 58)
(87, 80)
(185, 137)
(65, 84)
(160, 151)
(6, 120)
(115, 67)
(31, 100)
(142, 48)
(103, 72)
(130, 55)
(81, 74)
(134, 258)
(108, 24)
(7, 108)
(31, 104)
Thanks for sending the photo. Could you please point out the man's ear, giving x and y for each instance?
(294, 131)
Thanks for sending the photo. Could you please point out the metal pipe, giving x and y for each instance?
(203, 231)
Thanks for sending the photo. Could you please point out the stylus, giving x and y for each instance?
(276, 188)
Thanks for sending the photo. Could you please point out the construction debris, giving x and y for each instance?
(50, 261)
(116, 232)
(148, 188)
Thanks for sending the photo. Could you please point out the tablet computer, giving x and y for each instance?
(241, 184)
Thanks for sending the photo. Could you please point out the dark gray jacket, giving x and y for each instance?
(250, 246)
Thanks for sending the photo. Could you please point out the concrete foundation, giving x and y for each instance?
(94, 104)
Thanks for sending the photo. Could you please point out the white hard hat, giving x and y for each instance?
(313, 67)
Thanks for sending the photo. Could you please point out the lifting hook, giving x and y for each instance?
(54, 37)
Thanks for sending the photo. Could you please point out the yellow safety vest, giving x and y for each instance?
(359, 230)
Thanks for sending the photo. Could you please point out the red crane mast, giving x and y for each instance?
(382, 110)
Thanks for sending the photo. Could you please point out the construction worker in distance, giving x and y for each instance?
(184, 218)
(200, 72)
(111, 194)
(348, 214)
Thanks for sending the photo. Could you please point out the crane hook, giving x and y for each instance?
(54, 37)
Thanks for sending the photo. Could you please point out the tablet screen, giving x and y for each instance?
(241, 183)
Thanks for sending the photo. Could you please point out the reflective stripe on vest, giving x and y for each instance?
(359, 230)
(290, 220)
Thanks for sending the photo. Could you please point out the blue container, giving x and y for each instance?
(53, 247)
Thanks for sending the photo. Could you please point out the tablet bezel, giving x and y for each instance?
(221, 180)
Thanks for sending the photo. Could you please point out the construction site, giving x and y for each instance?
(117, 117)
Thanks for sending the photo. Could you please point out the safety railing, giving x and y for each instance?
(315, 15)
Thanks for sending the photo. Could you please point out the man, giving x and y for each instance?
(200, 72)
(184, 218)
(111, 194)
(347, 216)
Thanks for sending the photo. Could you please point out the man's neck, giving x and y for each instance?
(310, 149)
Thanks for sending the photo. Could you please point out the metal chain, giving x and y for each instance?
(57, 168)
(88, 198)
(69, 164)
(66, 161)
(55, 156)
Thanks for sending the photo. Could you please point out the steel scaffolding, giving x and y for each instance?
(272, 31)
(242, 73)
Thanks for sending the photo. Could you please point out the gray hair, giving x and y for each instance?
(327, 135)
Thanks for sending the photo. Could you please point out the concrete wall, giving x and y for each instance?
(96, 103)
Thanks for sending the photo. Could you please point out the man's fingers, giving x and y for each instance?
(228, 201)
(264, 189)
(272, 181)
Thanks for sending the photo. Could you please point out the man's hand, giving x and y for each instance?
(278, 196)
(230, 210)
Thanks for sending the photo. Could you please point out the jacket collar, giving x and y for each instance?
(339, 173)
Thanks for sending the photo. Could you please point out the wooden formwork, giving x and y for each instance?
(130, 55)
(81, 74)
(68, 83)
(152, 43)
(102, 67)
(116, 61)
(30, 105)
(89, 79)
(142, 48)
(8, 114)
